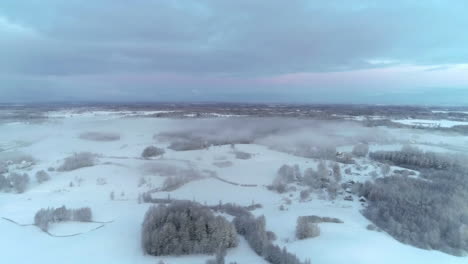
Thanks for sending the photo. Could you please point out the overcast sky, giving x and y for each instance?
(348, 51)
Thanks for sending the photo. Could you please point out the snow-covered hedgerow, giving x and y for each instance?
(44, 217)
(152, 151)
(254, 231)
(185, 228)
(100, 136)
(77, 161)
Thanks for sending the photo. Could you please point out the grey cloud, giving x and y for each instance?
(241, 38)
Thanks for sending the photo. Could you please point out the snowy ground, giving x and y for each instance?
(119, 164)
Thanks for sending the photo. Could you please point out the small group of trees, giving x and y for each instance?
(77, 161)
(14, 181)
(185, 228)
(286, 174)
(324, 177)
(42, 176)
(44, 217)
(306, 228)
(152, 151)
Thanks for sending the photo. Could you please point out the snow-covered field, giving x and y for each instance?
(120, 170)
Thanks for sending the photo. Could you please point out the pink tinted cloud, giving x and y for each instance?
(395, 76)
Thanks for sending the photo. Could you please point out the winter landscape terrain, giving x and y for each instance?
(189, 183)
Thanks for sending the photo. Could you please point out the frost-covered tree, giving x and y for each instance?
(332, 189)
(336, 172)
(19, 182)
(185, 228)
(323, 172)
(306, 229)
(286, 174)
(305, 194)
(312, 178)
(385, 169)
(152, 151)
(42, 176)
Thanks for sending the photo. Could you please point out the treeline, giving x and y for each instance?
(411, 157)
(430, 213)
(44, 217)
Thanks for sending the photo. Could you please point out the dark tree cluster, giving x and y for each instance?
(45, 217)
(430, 213)
(14, 181)
(254, 231)
(414, 158)
(183, 228)
(152, 151)
(77, 161)
(42, 176)
(306, 228)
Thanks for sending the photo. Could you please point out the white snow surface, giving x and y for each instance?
(118, 242)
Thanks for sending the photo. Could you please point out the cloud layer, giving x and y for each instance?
(205, 50)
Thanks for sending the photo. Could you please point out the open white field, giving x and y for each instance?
(120, 170)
